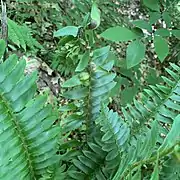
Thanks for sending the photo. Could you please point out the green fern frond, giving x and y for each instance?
(159, 105)
(92, 86)
(116, 134)
(160, 102)
(90, 163)
(28, 138)
(137, 153)
(21, 36)
(56, 172)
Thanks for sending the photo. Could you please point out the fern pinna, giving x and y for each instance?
(28, 135)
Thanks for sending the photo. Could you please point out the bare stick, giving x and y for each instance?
(4, 26)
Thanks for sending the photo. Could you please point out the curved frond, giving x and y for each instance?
(28, 137)
(160, 102)
(21, 36)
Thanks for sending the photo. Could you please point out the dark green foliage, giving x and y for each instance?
(118, 119)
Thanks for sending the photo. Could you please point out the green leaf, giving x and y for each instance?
(161, 47)
(95, 14)
(74, 81)
(76, 93)
(143, 25)
(163, 32)
(68, 30)
(2, 47)
(119, 33)
(152, 4)
(172, 136)
(167, 18)
(176, 33)
(154, 16)
(100, 55)
(135, 53)
(83, 63)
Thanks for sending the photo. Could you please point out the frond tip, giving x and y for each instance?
(28, 137)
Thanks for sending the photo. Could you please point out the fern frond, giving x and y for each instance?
(116, 134)
(148, 119)
(28, 138)
(93, 87)
(90, 163)
(21, 36)
(138, 153)
(160, 102)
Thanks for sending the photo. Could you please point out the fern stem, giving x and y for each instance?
(89, 115)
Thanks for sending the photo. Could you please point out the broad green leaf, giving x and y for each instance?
(83, 62)
(152, 4)
(172, 136)
(100, 55)
(176, 33)
(2, 47)
(76, 93)
(143, 25)
(163, 32)
(135, 53)
(68, 30)
(161, 47)
(119, 33)
(95, 14)
(154, 16)
(74, 81)
(167, 18)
